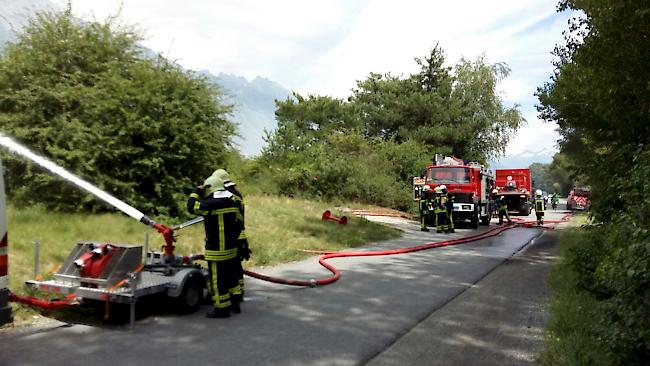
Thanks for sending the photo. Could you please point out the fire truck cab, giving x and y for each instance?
(470, 184)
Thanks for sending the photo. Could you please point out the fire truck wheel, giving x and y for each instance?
(485, 220)
(475, 219)
(191, 297)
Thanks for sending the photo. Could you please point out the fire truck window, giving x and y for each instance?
(448, 175)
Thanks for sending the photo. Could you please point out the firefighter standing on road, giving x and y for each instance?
(440, 209)
(502, 207)
(424, 205)
(222, 221)
(450, 207)
(540, 207)
(554, 200)
(243, 252)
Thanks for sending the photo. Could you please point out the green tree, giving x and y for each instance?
(538, 173)
(455, 111)
(599, 95)
(387, 131)
(82, 95)
(478, 112)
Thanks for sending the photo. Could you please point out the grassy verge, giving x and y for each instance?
(277, 228)
(569, 336)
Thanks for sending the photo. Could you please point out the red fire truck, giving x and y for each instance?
(516, 186)
(470, 184)
(579, 199)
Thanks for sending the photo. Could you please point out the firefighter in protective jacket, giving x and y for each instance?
(425, 207)
(502, 207)
(450, 208)
(243, 252)
(540, 207)
(222, 221)
(440, 209)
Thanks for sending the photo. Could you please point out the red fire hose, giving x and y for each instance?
(68, 301)
(336, 274)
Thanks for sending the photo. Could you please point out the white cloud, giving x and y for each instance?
(534, 137)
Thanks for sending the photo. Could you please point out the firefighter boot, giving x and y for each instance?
(235, 307)
(218, 313)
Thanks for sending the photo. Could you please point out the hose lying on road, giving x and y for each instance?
(336, 274)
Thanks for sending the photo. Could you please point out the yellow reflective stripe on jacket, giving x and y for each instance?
(194, 195)
(234, 210)
(220, 255)
(242, 235)
(197, 211)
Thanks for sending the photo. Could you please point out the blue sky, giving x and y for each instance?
(324, 47)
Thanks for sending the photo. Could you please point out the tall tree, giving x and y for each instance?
(451, 110)
(82, 95)
(599, 95)
(478, 111)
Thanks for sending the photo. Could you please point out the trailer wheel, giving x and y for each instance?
(191, 296)
(525, 209)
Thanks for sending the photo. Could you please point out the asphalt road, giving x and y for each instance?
(368, 315)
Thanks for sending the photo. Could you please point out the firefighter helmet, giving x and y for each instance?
(538, 193)
(443, 188)
(426, 188)
(495, 191)
(223, 174)
(437, 190)
(212, 184)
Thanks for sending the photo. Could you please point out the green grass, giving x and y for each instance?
(569, 336)
(277, 229)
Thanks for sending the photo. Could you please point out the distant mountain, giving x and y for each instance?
(14, 15)
(254, 107)
(254, 101)
(524, 159)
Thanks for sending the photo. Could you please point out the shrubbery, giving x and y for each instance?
(599, 97)
(83, 96)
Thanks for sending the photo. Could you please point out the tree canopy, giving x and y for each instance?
(83, 95)
(599, 95)
(439, 109)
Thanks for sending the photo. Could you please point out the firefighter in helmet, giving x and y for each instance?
(554, 200)
(540, 207)
(424, 205)
(502, 208)
(450, 207)
(440, 209)
(243, 251)
(222, 222)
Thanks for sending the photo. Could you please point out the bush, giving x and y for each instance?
(346, 166)
(83, 96)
